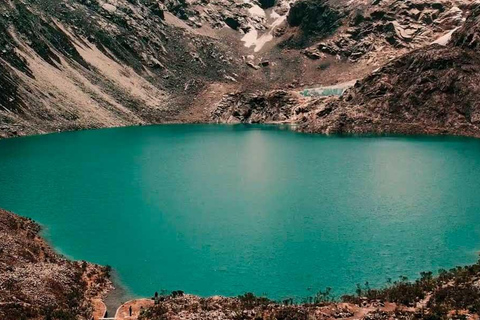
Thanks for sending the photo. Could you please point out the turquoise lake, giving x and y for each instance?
(213, 209)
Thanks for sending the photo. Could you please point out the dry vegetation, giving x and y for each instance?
(453, 294)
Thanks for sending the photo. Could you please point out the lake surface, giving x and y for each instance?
(231, 209)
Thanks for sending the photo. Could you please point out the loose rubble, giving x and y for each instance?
(433, 90)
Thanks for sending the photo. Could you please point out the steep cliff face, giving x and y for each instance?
(88, 63)
(373, 31)
(337, 42)
(37, 283)
(434, 90)
(74, 64)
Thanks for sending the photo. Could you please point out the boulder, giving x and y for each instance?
(312, 53)
(253, 66)
(232, 23)
(327, 48)
(314, 17)
(109, 7)
(265, 4)
(265, 63)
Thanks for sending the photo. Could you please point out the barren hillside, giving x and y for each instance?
(73, 64)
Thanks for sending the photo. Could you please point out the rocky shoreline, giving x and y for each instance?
(76, 65)
(452, 294)
(37, 283)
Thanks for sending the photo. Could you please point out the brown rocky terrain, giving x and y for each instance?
(365, 37)
(75, 64)
(68, 64)
(258, 107)
(37, 283)
(453, 294)
(388, 27)
(248, 306)
(433, 90)
(430, 90)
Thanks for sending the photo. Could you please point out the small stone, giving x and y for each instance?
(251, 65)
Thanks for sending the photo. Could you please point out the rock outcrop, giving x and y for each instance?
(36, 282)
(314, 17)
(389, 28)
(469, 36)
(433, 90)
(258, 107)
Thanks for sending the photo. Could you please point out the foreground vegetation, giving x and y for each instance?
(452, 294)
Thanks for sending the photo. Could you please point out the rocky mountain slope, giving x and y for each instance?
(429, 89)
(433, 90)
(365, 36)
(36, 282)
(78, 64)
(74, 64)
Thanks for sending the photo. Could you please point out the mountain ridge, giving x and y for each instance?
(78, 64)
